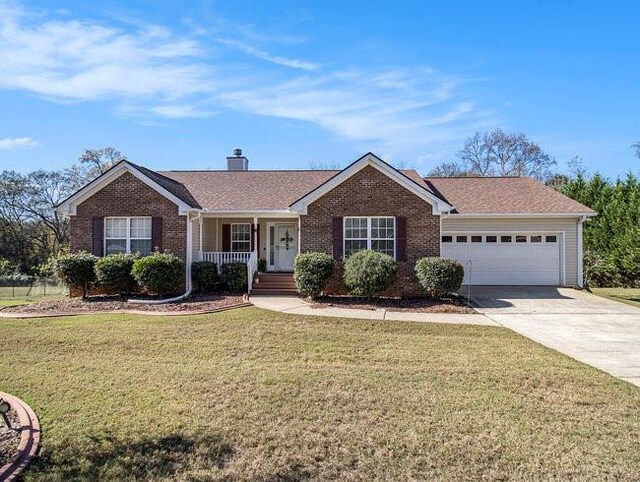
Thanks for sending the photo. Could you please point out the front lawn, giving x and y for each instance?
(252, 394)
(630, 296)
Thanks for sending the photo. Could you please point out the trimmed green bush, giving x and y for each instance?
(234, 276)
(369, 273)
(311, 273)
(114, 272)
(204, 275)
(158, 273)
(76, 270)
(439, 276)
(262, 265)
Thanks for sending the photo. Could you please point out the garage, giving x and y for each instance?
(506, 258)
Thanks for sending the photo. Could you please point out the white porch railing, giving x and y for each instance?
(252, 267)
(220, 257)
(224, 257)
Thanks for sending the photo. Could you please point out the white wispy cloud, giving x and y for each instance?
(149, 72)
(9, 144)
(276, 59)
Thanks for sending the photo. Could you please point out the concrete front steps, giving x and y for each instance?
(274, 284)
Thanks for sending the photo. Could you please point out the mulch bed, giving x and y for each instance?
(9, 439)
(419, 305)
(114, 303)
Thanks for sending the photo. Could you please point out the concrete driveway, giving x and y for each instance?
(594, 330)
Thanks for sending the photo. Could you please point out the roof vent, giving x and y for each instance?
(237, 162)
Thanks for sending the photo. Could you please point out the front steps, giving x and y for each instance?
(274, 284)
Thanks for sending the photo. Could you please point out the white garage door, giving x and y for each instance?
(505, 259)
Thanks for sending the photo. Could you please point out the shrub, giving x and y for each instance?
(311, 273)
(439, 276)
(114, 272)
(234, 276)
(204, 275)
(76, 270)
(158, 273)
(262, 265)
(369, 273)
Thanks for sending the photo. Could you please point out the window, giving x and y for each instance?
(461, 239)
(447, 239)
(241, 238)
(551, 239)
(505, 239)
(378, 234)
(476, 239)
(536, 239)
(521, 239)
(491, 239)
(127, 235)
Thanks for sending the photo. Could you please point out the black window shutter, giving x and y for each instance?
(156, 234)
(401, 238)
(226, 238)
(97, 236)
(337, 237)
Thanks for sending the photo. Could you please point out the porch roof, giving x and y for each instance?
(254, 190)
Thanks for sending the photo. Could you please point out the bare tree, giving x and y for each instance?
(94, 162)
(498, 153)
(324, 165)
(636, 146)
(448, 169)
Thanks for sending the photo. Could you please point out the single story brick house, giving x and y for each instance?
(504, 230)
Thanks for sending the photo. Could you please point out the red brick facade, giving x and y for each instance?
(128, 196)
(371, 193)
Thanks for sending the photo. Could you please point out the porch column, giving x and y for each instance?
(200, 237)
(255, 236)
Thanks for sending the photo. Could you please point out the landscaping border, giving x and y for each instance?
(19, 316)
(29, 439)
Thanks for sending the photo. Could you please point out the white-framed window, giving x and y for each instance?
(127, 235)
(241, 238)
(375, 233)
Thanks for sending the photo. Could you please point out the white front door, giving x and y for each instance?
(286, 244)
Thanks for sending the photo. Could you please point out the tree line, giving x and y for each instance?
(31, 231)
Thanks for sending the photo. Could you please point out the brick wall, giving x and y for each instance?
(371, 193)
(128, 196)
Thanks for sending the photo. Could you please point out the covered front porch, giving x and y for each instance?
(262, 242)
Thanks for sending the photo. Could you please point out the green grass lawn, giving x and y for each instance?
(631, 296)
(252, 394)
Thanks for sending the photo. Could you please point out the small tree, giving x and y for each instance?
(369, 273)
(158, 273)
(76, 270)
(311, 273)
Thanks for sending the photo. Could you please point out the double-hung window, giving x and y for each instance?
(375, 233)
(127, 235)
(241, 238)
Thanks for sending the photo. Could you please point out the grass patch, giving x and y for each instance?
(630, 296)
(253, 394)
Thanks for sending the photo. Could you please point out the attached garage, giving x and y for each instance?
(506, 258)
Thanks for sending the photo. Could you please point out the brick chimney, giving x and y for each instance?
(237, 162)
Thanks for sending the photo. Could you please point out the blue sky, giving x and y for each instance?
(179, 84)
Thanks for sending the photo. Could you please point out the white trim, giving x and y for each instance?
(518, 215)
(230, 213)
(439, 206)
(189, 256)
(369, 238)
(69, 206)
(274, 225)
(580, 253)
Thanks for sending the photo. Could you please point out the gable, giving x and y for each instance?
(373, 162)
(167, 189)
